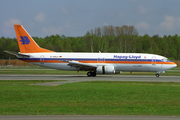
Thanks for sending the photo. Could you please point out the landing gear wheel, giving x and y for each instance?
(89, 74)
(94, 74)
(157, 75)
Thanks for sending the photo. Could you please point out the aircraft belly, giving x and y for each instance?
(130, 67)
(138, 67)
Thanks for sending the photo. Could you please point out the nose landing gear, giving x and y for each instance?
(157, 74)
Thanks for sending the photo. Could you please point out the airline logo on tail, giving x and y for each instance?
(24, 40)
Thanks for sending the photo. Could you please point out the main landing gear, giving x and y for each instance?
(157, 74)
(89, 74)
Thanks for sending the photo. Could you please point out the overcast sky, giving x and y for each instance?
(75, 17)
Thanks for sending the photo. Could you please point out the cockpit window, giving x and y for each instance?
(164, 59)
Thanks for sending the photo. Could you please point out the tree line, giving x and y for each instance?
(124, 39)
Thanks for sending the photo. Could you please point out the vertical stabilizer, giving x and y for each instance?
(26, 42)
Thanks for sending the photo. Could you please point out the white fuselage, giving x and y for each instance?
(120, 61)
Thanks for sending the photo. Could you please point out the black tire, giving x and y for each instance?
(157, 75)
(89, 74)
(94, 74)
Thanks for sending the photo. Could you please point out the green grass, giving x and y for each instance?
(44, 71)
(90, 98)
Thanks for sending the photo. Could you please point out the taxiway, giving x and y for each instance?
(80, 78)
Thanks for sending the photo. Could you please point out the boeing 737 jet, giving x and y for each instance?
(94, 63)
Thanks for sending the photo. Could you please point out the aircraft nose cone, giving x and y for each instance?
(174, 65)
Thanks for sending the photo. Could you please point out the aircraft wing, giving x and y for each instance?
(82, 66)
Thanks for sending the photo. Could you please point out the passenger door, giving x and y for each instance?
(42, 59)
(153, 62)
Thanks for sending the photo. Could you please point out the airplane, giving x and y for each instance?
(94, 63)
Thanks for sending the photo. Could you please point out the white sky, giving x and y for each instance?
(43, 18)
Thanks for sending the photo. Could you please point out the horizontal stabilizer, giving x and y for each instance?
(16, 54)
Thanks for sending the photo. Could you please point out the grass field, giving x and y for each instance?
(90, 98)
(44, 71)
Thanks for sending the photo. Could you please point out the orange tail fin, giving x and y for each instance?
(26, 42)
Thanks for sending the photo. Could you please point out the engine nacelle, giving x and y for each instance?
(105, 69)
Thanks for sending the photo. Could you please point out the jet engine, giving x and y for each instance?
(105, 69)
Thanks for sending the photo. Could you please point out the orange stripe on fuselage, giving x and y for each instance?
(106, 62)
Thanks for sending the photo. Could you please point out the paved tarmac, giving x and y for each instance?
(87, 117)
(80, 78)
